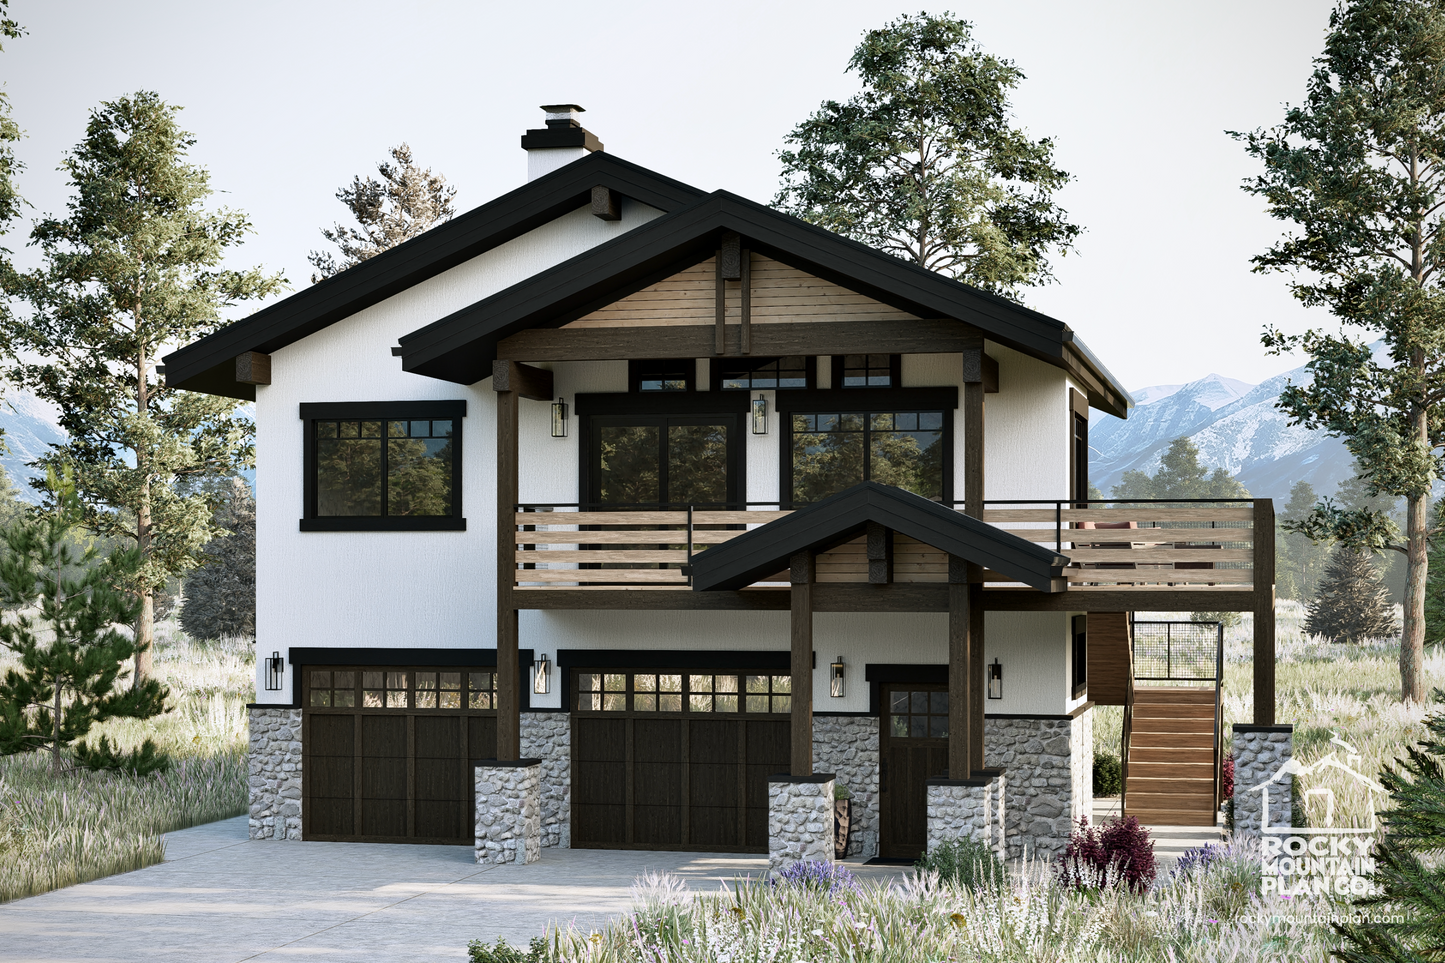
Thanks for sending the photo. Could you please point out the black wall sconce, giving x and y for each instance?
(275, 669)
(559, 419)
(835, 684)
(541, 675)
(995, 680)
(760, 415)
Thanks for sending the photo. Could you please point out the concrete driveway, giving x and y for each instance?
(220, 898)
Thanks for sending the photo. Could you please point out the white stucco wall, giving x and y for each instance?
(436, 589)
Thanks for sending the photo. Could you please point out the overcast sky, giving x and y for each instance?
(288, 100)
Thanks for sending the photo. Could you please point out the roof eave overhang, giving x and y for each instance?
(461, 346)
(207, 365)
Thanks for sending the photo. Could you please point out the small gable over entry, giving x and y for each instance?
(757, 554)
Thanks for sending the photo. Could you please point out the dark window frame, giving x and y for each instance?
(855, 401)
(597, 409)
(716, 366)
(311, 413)
(895, 374)
(639, 368)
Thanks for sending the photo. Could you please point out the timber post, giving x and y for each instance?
(511, 382)
(980, 373)
(960, 672)
(1263, 612)
(802, 577)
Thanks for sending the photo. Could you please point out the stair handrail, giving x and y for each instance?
(1218, 716)
(1128, 726)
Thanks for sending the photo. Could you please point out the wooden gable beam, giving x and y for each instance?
(880, 554)
(979, 368)
(525, 380)
(253, 368)
(606, 204)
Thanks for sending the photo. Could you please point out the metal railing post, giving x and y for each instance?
(689, 545)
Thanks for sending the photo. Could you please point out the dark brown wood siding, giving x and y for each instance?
(1110, 664)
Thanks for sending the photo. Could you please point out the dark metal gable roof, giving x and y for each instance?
(763, 551)
(461, 346)
(208, 364)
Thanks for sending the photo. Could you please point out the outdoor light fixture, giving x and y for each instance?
(835, 689)
(995, 680)
(275, 668)
(559, 419)
(760, 415)
(541, 675)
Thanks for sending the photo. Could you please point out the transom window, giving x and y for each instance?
(746, 374)
(916, 714)
(692, 692)
(380, 688)
(834, 451)
(866, 371)
(380, 466)
(672, 374)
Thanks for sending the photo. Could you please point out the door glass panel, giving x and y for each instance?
(628, 469)
(697, 464)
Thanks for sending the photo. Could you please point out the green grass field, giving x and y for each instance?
(84, 825)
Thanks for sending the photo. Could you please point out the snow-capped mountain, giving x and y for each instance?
(1235, 425)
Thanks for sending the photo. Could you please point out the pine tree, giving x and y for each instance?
(406, 202)
(135, 266)
(70, 654)
(923, 163)
(1352, 604)
(1180, 475)
(1407, 924)
(1300, 560)
(221, 594)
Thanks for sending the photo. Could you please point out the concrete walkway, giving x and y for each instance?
(220, 898)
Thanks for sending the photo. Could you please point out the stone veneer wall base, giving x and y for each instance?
(1049, 762)
(847, 746)
(800, 820)
(1259, 752)
(509, 811)
(274, 772)
(548, 736)
(967, 808)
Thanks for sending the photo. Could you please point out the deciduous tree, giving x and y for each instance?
(136, 265)
(1357, 168)
(924, 163)
(405, 202)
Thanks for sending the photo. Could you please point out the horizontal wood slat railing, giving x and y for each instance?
(1142, 546)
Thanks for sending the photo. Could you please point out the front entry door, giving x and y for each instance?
(913, 748)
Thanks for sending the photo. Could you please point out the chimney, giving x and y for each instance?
(562, 141)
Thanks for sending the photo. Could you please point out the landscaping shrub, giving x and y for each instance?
(504, 952)
(1226, 777)
(819, 874)
(1108, 774)
(964, 861)
(1119, 851)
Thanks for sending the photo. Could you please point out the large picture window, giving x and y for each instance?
(383, 466)
(831, 451)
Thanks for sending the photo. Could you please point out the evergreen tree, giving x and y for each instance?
(70, 654)
(922, 162)
(221, 594)
(406, 202)
(1352, 603)
(135, 266)
(1180, 475)
(1299, 559)
(1407, 924)
(1359, 168)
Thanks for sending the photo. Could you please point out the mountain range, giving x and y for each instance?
(1235, 425)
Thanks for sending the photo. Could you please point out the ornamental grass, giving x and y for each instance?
(1209, 913)
(84, 825)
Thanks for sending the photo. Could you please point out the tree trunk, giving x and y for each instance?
(145, 633)
(1412, 639)
(55, 733)
(145, 628)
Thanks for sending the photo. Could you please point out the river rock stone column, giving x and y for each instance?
(800, 819)
(274, 764)
(548, 736)
(509, 811)
(966, 808)
(1049, 763)
(847, 746)
(1262, 773)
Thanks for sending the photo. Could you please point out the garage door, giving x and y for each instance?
(387, 752)
(676, 760)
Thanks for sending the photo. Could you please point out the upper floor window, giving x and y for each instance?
(761, 374)
(866, 371)
(832, 451)
(378, 466)
(672, 374)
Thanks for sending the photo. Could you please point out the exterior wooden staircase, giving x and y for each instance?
(1171, 753)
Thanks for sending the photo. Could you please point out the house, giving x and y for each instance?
(616, 513)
